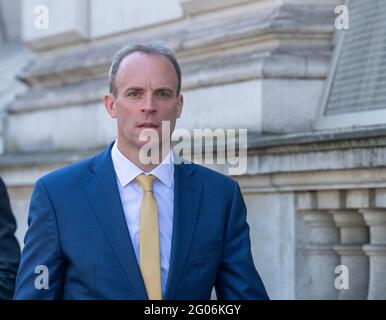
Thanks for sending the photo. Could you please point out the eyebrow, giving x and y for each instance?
(141, 89)
(133, 88)
(165, 89)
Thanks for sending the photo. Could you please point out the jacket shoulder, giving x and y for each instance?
(68, 174)
(210, 176)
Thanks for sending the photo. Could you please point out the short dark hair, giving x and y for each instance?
(156, 48)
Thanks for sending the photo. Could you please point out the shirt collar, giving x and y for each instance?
(126, 170)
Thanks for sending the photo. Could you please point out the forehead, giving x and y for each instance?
(140, 68)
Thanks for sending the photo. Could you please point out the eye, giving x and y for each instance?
(164, 94)
(133, 93)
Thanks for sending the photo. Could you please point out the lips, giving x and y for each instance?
(148, 125)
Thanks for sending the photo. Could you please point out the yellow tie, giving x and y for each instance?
(150, 258)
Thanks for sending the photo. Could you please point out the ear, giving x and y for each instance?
(110, 105)
(180, 105)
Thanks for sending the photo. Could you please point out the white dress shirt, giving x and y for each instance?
(131, 197)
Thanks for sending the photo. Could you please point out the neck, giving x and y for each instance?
(133, 155)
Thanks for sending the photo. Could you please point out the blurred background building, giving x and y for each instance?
(312, 97)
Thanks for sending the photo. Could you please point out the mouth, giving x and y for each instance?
(148, 125)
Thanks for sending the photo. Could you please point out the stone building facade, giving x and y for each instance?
(315, 197)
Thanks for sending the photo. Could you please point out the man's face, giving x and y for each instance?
(146, 95)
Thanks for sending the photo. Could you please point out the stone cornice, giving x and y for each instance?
(206, 73)
(287, 28)
(366, 137)
(42, 98)
(42, 159)
(27, 169)
(355, 149)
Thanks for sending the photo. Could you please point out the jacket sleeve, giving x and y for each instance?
(237, 278)
(9, 246)
(42, 266)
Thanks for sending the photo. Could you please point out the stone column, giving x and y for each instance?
(353, 234)
(322, 258)
(376, 250)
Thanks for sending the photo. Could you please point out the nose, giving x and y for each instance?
(148, 104)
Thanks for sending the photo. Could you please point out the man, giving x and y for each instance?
(9, 247)
(114, 227)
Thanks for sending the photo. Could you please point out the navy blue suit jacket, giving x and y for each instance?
(77, 229)
(9, 247)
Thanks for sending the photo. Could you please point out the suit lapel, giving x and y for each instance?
(102, 191)
(187, 194)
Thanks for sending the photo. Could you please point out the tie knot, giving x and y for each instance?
(146, 182)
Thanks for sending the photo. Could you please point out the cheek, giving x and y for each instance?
(125, 122)
(172, 122)
(169, 113)
(125, 114)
